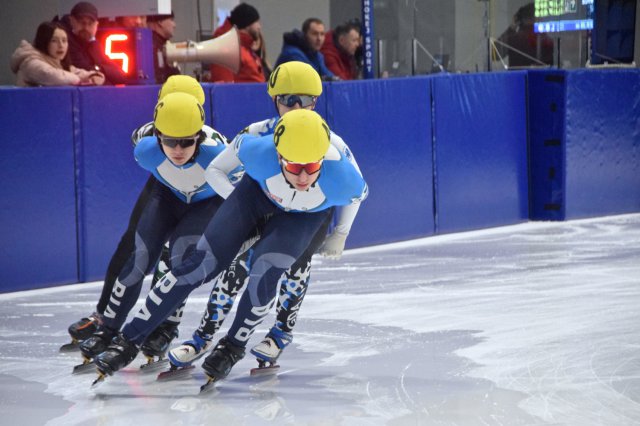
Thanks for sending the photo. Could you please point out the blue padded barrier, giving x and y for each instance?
(603, 143)
(547, 91)
(37, 199)
(387, 125)
(235, 106)
(109, 180)
(462, 135)
(480, 150)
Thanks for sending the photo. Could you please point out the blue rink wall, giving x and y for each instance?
(441, 154)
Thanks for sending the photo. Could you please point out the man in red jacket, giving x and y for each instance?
(247, 20)
(339, 50)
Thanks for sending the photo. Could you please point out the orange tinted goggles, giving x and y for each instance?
(297, 168)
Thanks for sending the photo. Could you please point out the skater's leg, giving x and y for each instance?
(285, 238)
(125, 246)
(293, 287)
(217, 247)
(157, 220)
(85, 327)
(226, 287)
(181, 244)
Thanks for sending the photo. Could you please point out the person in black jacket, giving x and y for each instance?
(162, 28)
(84, 51)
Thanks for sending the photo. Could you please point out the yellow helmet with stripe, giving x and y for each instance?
(294, 78)
(178, 115)
(301, 136)
(182, 84)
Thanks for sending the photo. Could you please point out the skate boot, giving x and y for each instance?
(181, 358)
(157, 344)
(185, 354)
(82, 330)
(268, 351)
(219, 363)
(97, 343)
(272, 346)
(119, 354)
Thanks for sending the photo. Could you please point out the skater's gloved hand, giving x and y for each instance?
(333, 245)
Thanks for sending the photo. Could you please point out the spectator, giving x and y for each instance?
(84, 51)
(522, 45)
(133, 21)
(46, 63)
(260, 49)
(304, 46)
(339, 50)
(162, 27)
(247, 20)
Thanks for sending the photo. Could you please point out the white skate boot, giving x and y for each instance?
(268, 351)
(182, 357)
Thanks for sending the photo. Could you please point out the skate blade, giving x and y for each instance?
(98, 380)
(152, 366)
(72, 346)
(209, 386)
(175, 373)
(264, 371)
(84, 368)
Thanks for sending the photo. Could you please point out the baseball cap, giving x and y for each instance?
(84, 8)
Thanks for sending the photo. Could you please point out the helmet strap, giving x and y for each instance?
(202, 136)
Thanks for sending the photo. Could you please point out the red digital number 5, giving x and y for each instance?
(115, 54)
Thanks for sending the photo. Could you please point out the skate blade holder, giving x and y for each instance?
(72, 346)
(153, 365)
(85, 367)
(175, 373)
(264, 368)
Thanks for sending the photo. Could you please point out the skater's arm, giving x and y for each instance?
(217, 173)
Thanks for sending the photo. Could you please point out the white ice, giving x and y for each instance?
(533, 324)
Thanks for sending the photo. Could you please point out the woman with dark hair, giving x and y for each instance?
(46, 63)
(260, 50)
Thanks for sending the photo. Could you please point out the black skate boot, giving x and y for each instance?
(119, 354)
(92, 347)
(82, 330)
(97, 343)
(157, 345)
(220, 362)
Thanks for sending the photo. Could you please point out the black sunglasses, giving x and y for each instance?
(173, 142)
(290, 100)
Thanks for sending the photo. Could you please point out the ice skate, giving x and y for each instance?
(119, 354)
(269, 350)
(182, 357)
(81, 330)
(97, 343)
(92, 347)
(219, 363)
(157, 344)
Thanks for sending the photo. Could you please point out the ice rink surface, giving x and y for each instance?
(533, 324)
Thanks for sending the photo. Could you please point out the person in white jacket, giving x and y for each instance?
(46, 63)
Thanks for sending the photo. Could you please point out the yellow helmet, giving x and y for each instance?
(182, 84)
(294, 78)
(178, 115)
(301, 136)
